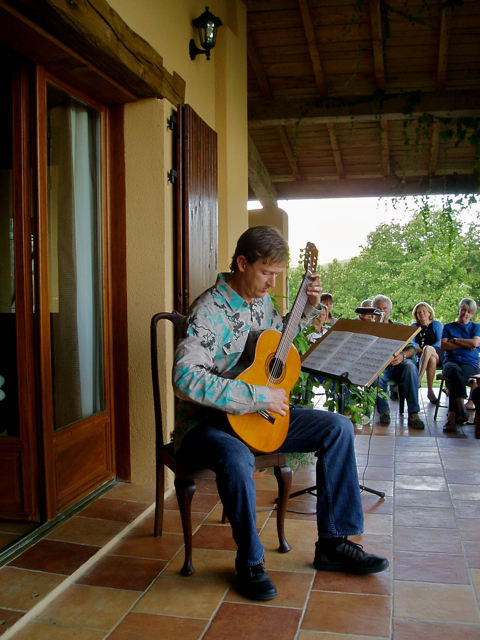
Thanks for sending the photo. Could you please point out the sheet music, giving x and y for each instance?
(319, 358)
(358, 356)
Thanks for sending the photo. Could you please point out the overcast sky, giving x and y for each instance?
(339, 226)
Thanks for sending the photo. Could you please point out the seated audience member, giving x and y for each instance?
(368, 317)
(461, 343)
(402, 369)
(327, 300)
(318, 324)
(427, 343)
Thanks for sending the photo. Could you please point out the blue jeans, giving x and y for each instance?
(458, 374)
(407, 373)
(329, 435)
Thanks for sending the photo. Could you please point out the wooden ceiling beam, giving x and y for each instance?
(287, 147)
(97, 33)
(309, 29)
(445, 104)
(376, 187)
(377, 42)
(385, 147)
(259, 179)
(432, 168)
(443, 50)
(337, 156)
(257, 67)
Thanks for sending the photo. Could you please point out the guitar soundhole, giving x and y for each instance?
(275, 369)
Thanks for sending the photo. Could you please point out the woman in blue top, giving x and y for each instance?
(428, 341)
(461, 343)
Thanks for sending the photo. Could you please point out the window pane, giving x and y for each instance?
(75, 275)
(9, 425)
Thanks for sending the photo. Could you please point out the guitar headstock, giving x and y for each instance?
(310, 257)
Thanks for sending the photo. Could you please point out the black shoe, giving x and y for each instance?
(348, 557)
(254, 582)
(385, 418)
(415, 422)
(461, 417)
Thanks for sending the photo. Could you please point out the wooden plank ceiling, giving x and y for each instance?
(329, 86)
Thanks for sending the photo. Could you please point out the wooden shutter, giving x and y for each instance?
(197, 207)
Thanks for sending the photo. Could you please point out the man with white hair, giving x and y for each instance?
(403, 370)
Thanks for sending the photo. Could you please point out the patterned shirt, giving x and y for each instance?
(210, 352)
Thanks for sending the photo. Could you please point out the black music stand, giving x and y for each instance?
(342, 382)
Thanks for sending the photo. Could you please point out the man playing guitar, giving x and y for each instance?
(207, 371)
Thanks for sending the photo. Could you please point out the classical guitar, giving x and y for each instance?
(276, 364)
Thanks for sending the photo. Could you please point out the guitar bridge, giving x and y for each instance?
(268, 416)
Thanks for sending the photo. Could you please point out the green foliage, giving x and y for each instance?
(430, 258)
(358, 400)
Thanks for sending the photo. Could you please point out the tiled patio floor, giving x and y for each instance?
(103, 575)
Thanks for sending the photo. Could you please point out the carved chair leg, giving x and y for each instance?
(159, 499)
(283, 475)
(185, 490)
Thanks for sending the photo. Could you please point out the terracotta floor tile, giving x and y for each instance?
(374, 504)
(420, 483)
(379, 584)
(8, 618)
(418, 457)
(142, 544)
(313, 635)
(375, 461)
(209, 564)
(380, 485)
(476, 581)
(86, 531)
(463, 476)
(190, 598)
(54, 557)
(172, 522)
(416, 629)
(425, 517)
(431, 567)
(89, 607)
(447, 602)
(302, 530)
(375, 473)
(113, 509)
(472, 551)
(412, 468)
(459, 464)
(293, 589)
(207, 485)
(244, 619)
(266, 498)
(379, 545)
(348, 613)
(428, 540)
(42, 631)
(413, 498)
(465, 492)
(299, 559)
(21, 589)
(466, 508)
(141, 626)
(378, 524)
(132, 492)
(122, 572)
(201, 503)
(214, 537)
(469, 529)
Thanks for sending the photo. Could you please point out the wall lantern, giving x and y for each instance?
(207, 25)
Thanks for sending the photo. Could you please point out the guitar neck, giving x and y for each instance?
(294, 319)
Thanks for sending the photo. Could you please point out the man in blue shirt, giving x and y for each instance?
(461, 342)
(207, 362)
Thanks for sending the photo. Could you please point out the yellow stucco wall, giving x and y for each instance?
(216, 90)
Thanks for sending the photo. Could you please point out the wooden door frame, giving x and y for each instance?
(52, 442)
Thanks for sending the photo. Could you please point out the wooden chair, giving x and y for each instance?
(185, 477)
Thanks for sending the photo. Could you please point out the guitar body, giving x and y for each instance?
(256, 431)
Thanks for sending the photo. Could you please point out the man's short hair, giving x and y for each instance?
(261, 243)
(326, 296)
(470, 304)
(382, 299)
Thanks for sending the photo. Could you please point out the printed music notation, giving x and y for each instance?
(358, 357)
